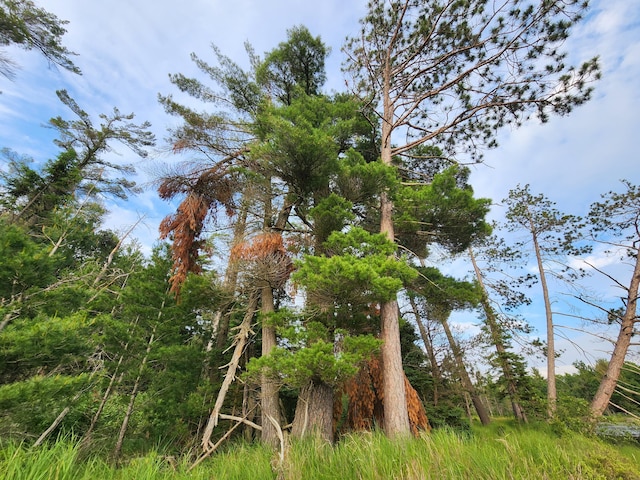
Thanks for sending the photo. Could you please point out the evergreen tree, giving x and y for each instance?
(615, 221)
(553, 235)
(437, 74)
(24, 24)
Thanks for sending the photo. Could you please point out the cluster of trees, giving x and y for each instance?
(323, 316)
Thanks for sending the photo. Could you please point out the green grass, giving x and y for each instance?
(497, 452)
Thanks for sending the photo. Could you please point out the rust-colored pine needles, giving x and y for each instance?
(185, 225)
(265, 259)
(366, 401)
(205, 190)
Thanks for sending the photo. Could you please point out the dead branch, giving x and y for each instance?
(212, 448)
(240, 342)
(244, 420)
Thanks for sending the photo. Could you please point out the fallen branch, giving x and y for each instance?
(212, 448)
(244, 420)
(240, 342)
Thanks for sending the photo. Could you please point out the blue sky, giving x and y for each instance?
(127, 49)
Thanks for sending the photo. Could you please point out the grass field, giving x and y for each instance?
(493, 453)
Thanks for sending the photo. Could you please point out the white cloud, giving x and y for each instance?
(599, 260)
(127, 49)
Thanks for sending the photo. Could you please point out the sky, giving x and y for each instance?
(126, 49)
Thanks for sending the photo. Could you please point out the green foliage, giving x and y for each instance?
(28, 407)
(557, 233)
(360, 271)
(361, 182)
(91, 143)
(25, 264)
(24, 24)
(572, 415)
(584, 383)
(299, 143)
(617, 215)
(443, 293)
(295, 67)
(331, 214)
(449, 84)
(487, 454)
(33, 195)
(310, 353)
(45, 344)
(448, 416)
(442, 212)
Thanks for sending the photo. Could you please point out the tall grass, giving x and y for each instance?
(489, 453)
(516, 454)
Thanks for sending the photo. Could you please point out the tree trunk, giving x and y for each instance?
(464, 377)
(94, 421)
(134, 393)
(552, 394)
(497, 338)
(314, 412)
(396, 416)
(7, 319)
(269, 388)
(62, 414)
(608, 383)
(428, 345)
(231, 278)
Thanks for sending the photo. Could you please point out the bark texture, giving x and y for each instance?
(314, 412)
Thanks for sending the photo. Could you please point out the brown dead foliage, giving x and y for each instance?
(205, 192)
(264, 258)
(366, 401)
(186, 226)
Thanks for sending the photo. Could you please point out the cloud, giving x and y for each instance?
(599, 260)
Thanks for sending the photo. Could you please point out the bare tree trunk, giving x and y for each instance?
(132, 398)
(109, 260)
(58, 243)
(7, 319)
(496, 336)
(107, 393)
(464, 377)
(396, 416)
(62, 415)
(552, 395)
(269, 397)
(608, 383)
(231, 279)
(428, 345)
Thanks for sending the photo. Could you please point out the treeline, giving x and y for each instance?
(293, 289)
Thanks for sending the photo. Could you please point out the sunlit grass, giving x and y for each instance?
(497, 452)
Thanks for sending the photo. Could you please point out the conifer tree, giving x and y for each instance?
(553, 235)
(452, 74)
(615, 222)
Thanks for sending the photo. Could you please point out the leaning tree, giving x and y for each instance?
(616, 223)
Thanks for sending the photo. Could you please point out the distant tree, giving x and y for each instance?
(496, 265)
(442, 295)
(92, 142)
(551, 237)
(24, 24)
(615, 222)
(453, 74)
